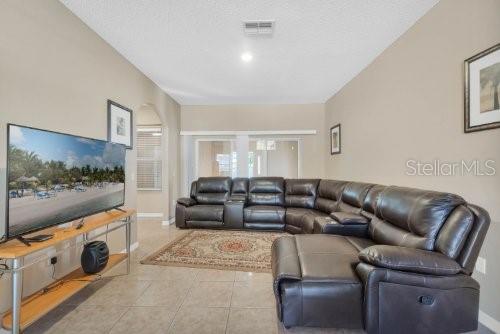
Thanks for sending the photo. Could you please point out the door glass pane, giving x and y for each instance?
(256, 157)
(271, 157)
(217, 158)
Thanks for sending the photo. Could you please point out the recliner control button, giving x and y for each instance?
(426, 300)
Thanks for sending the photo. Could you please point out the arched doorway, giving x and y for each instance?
(152, 167)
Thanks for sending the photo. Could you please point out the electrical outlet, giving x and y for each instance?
(481, 265)
(53, 260)
(51, 253)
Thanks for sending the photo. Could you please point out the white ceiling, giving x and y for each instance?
(192, 48)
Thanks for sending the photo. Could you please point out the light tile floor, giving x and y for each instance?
(158, 299)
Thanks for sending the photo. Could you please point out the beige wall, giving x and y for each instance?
(408, 104)
(56, 73)
(265, 118)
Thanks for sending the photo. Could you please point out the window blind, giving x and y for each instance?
(149, 158)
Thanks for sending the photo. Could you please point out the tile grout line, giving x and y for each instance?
(120, 318)
(144, 291)
(182, 302)
(230, 304)
(129, 306)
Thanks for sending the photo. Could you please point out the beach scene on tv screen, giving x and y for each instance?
(54, 178)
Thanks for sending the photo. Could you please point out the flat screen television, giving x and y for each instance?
(54, 178)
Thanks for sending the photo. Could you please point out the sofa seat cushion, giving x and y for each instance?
(264, 214)
(327, 258)
(315, 281)
(205, 212)
(321, 244)
(301, 220)
(295, 216)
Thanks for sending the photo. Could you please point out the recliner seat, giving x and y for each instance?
(413, 268)
(205, 207)
(266, 200)
(300, 198)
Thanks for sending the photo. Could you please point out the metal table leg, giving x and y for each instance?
(17, 292)
(127, 237)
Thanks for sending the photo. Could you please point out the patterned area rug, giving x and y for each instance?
(228, 250)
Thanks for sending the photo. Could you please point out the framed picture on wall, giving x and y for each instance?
(120, 124)
(482, 90)
(335, 143)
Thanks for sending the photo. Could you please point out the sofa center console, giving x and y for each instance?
(330, 225)
(233, 214)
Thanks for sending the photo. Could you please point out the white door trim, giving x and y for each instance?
(249, 132)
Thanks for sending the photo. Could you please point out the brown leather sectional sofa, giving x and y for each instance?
(384, 258)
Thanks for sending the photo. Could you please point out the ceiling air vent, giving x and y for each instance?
(258, 27)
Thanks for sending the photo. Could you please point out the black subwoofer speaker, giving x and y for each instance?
(94, 257)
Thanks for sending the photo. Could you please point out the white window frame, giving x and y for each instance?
(157, 129)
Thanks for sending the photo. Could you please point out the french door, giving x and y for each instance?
(245, 156)
(273, 157)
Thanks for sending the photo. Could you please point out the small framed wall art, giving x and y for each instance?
(120, 124)
(482, 90)
(335, 139)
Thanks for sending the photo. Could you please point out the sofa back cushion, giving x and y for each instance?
(411, 217)
(266, 191)
(192, 193)
(353, 197)
(370, 202)
(301, 193)
(328, 196)
(213, 190)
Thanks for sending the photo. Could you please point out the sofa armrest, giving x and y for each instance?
(180, 215)
(410, 260)
(186, 201)
(285, 261)
(286, 267)
(347, 218)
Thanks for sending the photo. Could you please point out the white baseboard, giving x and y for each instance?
(133, 247)
(489, 322)
(149, 215)
(168, 222)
